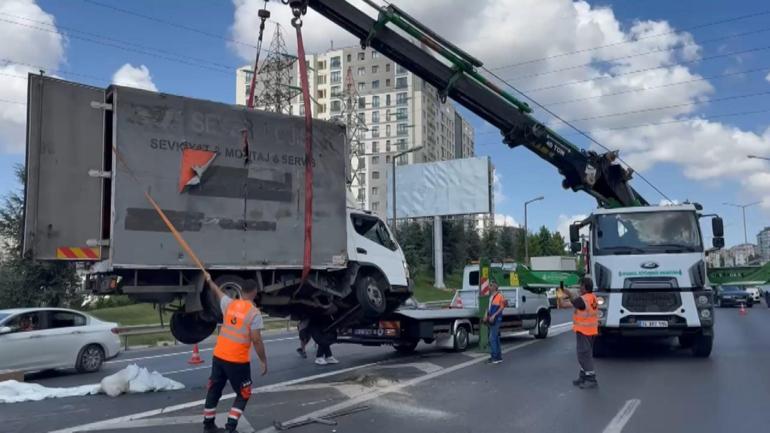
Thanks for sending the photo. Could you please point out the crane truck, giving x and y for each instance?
(648, 262)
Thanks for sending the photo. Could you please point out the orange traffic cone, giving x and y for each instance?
(743, 309)
(195, 359)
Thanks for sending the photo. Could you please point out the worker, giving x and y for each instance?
(241, 328)
(585, 323)
(323, 338)
(303, 327)
(494, 317)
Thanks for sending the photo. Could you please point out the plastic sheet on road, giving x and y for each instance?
(132, 379)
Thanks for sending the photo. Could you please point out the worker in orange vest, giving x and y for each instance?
(585, 323)
(494, 318)
(241, 328)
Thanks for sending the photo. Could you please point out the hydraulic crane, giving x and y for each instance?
(455, 74)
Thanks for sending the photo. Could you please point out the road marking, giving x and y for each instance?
(187, 352)
(186, 369)
(559, 329)
(243, 424)
(625, 414)
(102, 425)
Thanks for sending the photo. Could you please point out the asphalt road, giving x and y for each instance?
(645, 388)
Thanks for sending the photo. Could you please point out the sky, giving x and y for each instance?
(680, 88)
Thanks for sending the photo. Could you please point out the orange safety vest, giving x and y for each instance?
(234, 339)
(586, 321)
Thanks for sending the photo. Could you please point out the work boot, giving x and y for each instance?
(211, 427)
(589, 382)
(581, 378)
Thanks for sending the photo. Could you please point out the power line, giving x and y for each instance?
(614, 44)
(580, 131)
(630, 56)
(637, 71)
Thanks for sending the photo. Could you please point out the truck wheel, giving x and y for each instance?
(371, 296)
(461, 338)
(406, 347)
(191, 328)
(702, 345)
(543, 324)
(600, 349)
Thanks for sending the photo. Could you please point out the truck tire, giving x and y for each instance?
(600, 348)
(406, 347)
(542, 326)
(702, 345)
(461, 338)
(191, 328)
(90, 359)
(371, 296)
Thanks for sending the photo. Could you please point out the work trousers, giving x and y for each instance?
(585, 352)
(495, 350)
(324, 350)
(239, 376)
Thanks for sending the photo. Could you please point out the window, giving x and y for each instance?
(361, 196)
(336, 77)
(375, 69)
(375, 191)
(321, 94)
(376, 206)
(361, 86)
(321, 79)
(25, 322)
(401, 114)
(322, 108)
(387, 67)
(375, 131)
(646, 233)
(375, 175)
(350, 58)
(336, 91)
(387, 130)
(361, 71)
(473, 278)
(376, 84)
(65, 319)
(362, 56)
(387, 145)
(373, 229)
(335, 62)
(387, 159)
(375, 101)
(401, 144)
(361, 102)
(401, 83)
(375, 55)
(401, 129)
(375, 116)
(301, 109)
(321, 64)
(400, 70)
(375, 147)
(375, 160)
(401, 99)
(336, 106)
(387, 100)
(387, 82)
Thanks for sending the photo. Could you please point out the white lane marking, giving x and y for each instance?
(164, 355)
(186, 369)
(101, 425)
(625, 414)
(243, 424)
(399, 386)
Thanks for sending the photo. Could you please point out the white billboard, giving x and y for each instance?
(454, 187)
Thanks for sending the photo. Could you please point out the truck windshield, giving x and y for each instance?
(647, 233)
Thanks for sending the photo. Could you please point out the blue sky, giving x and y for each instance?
(523, 174)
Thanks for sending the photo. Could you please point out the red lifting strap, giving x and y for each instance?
(308, 153)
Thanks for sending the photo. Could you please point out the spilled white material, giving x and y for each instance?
(132, 379)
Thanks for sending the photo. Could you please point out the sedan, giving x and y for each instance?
(754, 293)
(34, 339)
(731, 296)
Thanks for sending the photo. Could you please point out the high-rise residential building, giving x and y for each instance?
(742, 254)
(400, 110)
(763, 242)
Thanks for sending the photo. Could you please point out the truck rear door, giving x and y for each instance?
(63, 203)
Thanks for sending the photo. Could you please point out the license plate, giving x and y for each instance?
(653, 324)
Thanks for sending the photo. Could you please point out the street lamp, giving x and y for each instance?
(743, 208)
(758, 157)
(393, 171)
(526, 231)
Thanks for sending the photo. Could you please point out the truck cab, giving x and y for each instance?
(649, 271)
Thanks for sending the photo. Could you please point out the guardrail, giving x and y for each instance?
(134, 330)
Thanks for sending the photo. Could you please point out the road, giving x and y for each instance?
(646, 388)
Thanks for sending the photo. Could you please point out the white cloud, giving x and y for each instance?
(666, 202)
(27, 50)
(564, 221)
(131, 76)
(503, 220)
(497, 188)
(767, 77)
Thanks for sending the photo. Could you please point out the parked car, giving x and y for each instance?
(755, 294)
(731, 296)
(34, 339)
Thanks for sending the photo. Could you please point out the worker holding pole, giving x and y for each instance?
(585, 323)
(241, 329)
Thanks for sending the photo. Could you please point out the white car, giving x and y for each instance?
(754, 294)
(34, 339)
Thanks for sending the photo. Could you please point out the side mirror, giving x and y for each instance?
(718, 228)
(718, 242)
(5, 330)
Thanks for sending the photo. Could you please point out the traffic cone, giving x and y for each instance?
(743, 309)
(195, 359)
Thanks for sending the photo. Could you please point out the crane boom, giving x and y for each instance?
(454, 73)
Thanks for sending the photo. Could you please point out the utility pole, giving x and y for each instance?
(526, 229)
(743, 209)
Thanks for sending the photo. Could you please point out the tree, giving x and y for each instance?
(473, 244)
(23, 282)
(507, 246)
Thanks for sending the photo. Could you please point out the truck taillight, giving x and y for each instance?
(389, 324)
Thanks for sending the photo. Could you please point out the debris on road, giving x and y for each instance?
(132, 379)
(326, 419)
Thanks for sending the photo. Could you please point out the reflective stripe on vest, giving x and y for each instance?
(234, 339)
(586, 321)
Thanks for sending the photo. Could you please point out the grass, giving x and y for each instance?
(136, 314)
(425, 292)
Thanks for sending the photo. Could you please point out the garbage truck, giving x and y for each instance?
(230, 180)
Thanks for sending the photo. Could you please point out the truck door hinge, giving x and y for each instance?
(101, 105)
(100, 173)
